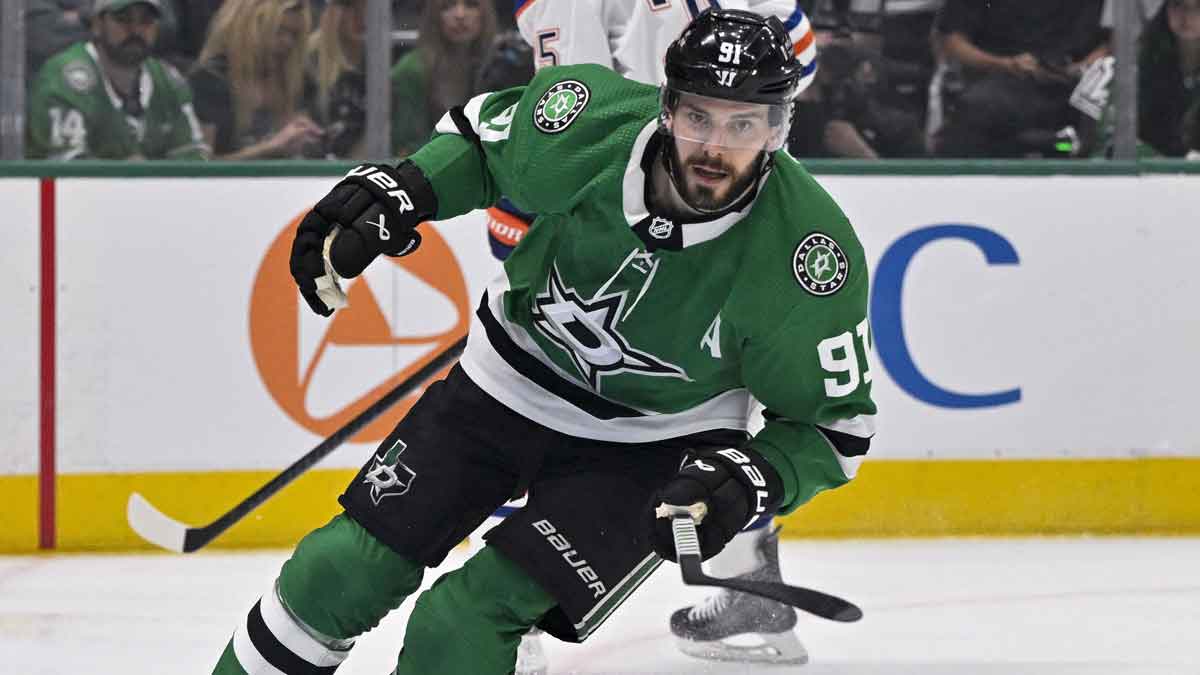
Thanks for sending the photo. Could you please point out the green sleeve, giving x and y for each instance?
(186, 140)
(464, 178)
(57, 125)
(812, 374)
(543, 170)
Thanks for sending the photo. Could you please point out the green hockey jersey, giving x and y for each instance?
(75, 113)
(613, 322)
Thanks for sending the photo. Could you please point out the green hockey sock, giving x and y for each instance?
(339, 583)
(471, 620)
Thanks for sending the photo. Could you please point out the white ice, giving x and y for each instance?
(1062, 606)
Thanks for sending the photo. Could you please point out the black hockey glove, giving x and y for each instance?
(737, 485)
(374, 209)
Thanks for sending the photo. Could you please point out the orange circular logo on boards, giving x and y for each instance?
(289, 359)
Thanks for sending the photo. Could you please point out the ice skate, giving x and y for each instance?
(733, 626)
(531, 659)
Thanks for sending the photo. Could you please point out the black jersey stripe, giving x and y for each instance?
(274, 651)
(847, 445)
(539, 373)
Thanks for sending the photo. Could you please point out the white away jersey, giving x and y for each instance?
(631, 36)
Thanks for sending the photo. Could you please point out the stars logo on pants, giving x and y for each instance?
(388, 476)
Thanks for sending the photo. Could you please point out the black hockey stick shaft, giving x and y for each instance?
(196, 538)
(687, 548)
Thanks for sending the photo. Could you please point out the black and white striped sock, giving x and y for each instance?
(273, 641)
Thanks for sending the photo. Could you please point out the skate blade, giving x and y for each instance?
(773, 648)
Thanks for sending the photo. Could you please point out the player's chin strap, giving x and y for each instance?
(765, 162)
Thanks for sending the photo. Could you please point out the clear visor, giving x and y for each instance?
(722, 123)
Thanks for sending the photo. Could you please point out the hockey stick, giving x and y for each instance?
(687, 548)
(159, 529)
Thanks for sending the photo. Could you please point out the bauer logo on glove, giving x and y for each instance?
(723, 490)
(375, 209)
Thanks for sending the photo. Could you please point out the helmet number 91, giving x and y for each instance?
(731, 52)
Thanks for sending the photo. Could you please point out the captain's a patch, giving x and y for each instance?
(560, 105)
(820, 265)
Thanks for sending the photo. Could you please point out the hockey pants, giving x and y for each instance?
(340, 582)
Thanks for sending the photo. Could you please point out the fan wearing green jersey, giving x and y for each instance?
(681, 264)
(109, 99)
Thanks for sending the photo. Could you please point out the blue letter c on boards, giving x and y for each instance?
(887, 314)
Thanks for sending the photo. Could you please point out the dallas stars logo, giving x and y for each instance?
(820, 265)
(587, 331)
(388, 476)
(560, 105)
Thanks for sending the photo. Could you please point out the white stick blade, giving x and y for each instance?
(153, 526)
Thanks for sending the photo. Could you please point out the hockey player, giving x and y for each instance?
(632, 38)
(680, 263)
(109, 99)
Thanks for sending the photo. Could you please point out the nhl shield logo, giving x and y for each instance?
(560, 105)
(660, 228)
(388, 476)
(820, 265)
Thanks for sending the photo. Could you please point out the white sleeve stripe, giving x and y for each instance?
(293, 636)
(861, 426)
(471, 110)
(849, 465)
(808, 55)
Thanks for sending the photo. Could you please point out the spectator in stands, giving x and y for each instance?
(192, 18)
(846, 114)
(507, 63)
(107, 98)
(1169, 79)
(441, 72)
(50, 27)
(335, 67)
(249, 81)
(1020, 59)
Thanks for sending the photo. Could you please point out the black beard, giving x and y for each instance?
(129, 53)
(704, 198)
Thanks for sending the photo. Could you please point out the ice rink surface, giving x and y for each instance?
(1062, 606)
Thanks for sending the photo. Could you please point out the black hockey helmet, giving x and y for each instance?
(735, 55)
(732, 56)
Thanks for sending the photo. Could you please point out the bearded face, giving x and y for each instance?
(127, 36)
(717, 148)
(712, 179)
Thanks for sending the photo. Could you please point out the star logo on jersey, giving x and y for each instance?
(820, 265)
(560, 105)
(388, 476)
(587, 331)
